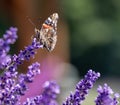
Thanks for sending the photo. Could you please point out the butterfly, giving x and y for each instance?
(47, 35)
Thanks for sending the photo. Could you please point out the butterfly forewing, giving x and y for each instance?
(47, 34)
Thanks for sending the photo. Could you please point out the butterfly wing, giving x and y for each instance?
(47, 35)
(48, 32)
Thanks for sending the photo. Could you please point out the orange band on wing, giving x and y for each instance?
(46, 26)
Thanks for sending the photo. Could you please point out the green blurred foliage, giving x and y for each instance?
(94, 27)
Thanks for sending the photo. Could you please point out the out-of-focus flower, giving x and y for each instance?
(8, 38)
(48, 96)
(104, 96)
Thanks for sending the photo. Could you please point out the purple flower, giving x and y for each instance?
(28, 52)
(82, 89)
(13, 85)
(8, 38)
(33, 70)
(4, 60)
(11, 88)
(48, 96)
(104, 96)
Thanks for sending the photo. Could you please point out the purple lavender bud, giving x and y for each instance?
(2, 46)
(104, 96)
(12, 87)
(51, 89)
(28, 52)
(82, 89)
(48, 97)
(21, 87)
(4, 60)
(7, 96)
(10, 36)
(33, 70)
(115, 99)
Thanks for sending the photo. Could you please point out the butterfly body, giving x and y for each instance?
(47, 35)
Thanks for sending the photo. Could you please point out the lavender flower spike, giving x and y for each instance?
(25, 54)
(48, 96)
(28, 52)
(104, 96)
(11, 89)
(11, 35)
(82, 89)
(8, 38)
(33, 70)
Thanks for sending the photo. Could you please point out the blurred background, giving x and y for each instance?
(94, 27)
(88, 37)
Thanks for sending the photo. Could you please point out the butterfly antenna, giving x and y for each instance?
(31, 22)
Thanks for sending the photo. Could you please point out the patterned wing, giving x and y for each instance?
(47, 35)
